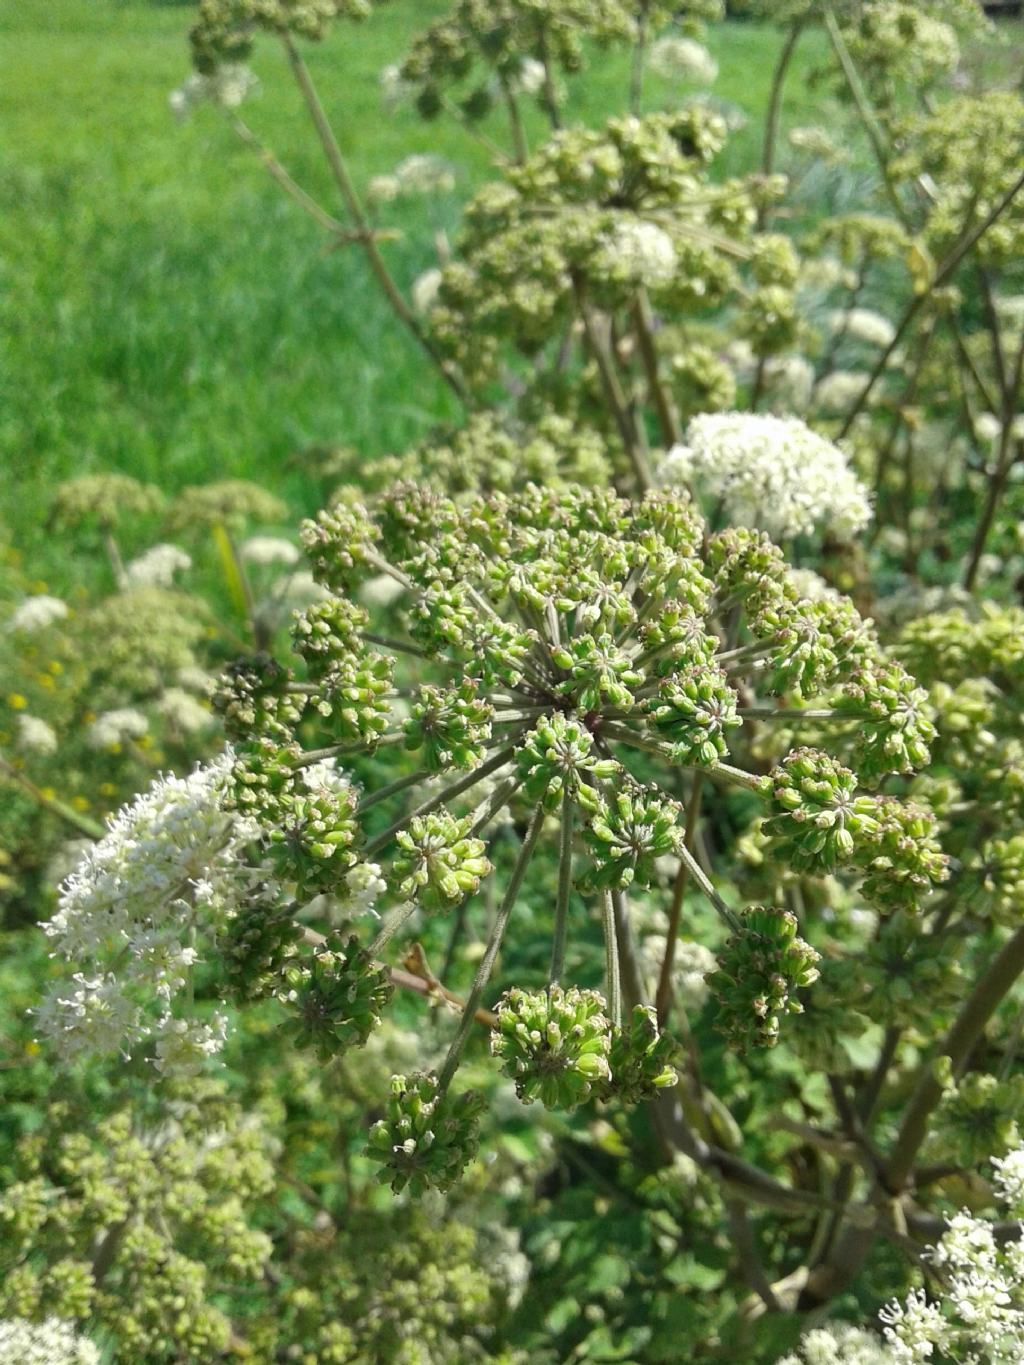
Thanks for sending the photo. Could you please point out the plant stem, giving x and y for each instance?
(500, 798)
(364, 231)
(391, 926)
(663, 994)
(639, 60)
(399, 646)
(943, 272)
(114, 555)
(703, 881)
(774, 112)
(978, 1009)
(612, 389)
(392, 789)
(305, 201)
(867, 114)
(634, 991)
(514, 119)
(791, 713)
(564, 888)
(613, 982)
(448, 794)
(489, 958)
(74, 818)
(668, 417)
(738, 776)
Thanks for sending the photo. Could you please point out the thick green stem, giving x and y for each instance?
(634, 990)
(867, 114)
(391, 926)
(668, 417)
(978, 1009)
(613, 389)
(305, 201)
(392, 789)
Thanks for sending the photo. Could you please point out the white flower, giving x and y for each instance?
(774, 473)
(637, 252)
(395, 90)
(36, 736)
(52, 1342)
(195, 679)
(169, 869)
(987, 427)
(838, 391)
(425, 289)
(36, 613)
(229, 86)
(184, 1045)
(269, 550)
(863, 324)
(826, 272)
(182, 710)
(65, 859)
(156, 567)
(114, 727)
(529, 79)
(683, 59)
(811, 586)
(1009, 1179)
(509, 1264)
(914, 1328)
(816, 142)
(364, 886)
(417, 174)
(979, 1314)
(382, 189)
(89, 1014)
(839, 1344)
(790, 382)
(325, 775)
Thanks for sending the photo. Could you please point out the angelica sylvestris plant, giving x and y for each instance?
(700, 893)
(569, 656)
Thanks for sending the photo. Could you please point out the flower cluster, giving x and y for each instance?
(428, 1137)
(546, 651)
(595, 217)
(50, 1342)
(979, 1311)
(554, 1044)
(760, 969)
(770, 472)
(223, 32)
(479, 52)
(169, 867)
(133, 1229)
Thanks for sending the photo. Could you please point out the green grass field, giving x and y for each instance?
(166, 311)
